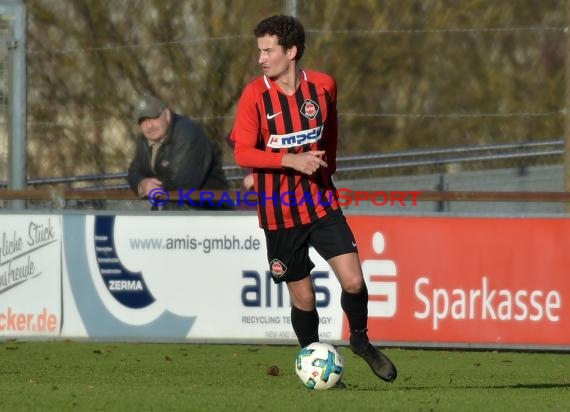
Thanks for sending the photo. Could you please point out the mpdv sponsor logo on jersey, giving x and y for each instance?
(282, 141)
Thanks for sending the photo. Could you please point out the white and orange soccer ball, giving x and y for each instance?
(319, 366)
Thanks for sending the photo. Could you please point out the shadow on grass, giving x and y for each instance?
(538, 386)
(521, 386)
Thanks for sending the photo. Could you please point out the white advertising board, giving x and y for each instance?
(201, 278)
(30, 275)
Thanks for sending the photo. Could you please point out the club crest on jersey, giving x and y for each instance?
(310, 109)
(278, 269)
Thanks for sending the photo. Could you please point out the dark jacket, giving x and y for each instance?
(187, 159)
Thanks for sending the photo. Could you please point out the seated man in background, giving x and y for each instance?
(172, 153)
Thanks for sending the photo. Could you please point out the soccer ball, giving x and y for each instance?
(319, 366)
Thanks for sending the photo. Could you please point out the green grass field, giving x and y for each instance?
(58, 376)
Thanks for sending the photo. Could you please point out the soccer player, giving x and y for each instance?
(286, 131)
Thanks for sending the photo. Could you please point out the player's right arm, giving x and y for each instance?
(247, 132)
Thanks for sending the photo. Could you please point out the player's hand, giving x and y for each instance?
(306, 162)
(146, 185)
(248, 181)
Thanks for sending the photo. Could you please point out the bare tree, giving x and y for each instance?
(411, 74)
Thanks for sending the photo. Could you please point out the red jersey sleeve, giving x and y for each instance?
(331, 128)
(246, 134)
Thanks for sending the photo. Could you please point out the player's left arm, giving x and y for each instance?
(331, 127)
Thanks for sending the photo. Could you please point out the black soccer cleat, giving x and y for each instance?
(339, 385)
(380, 364)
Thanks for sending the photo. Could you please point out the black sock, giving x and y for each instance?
(355, 306)
(306, 325)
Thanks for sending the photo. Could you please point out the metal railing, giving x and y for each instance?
(375, 161)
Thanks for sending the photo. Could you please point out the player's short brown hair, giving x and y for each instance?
(289, 31)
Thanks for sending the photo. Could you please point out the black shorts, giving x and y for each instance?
(288, 249)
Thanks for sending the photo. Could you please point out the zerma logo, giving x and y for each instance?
(380, 276)
(128, 288)
(124, 307)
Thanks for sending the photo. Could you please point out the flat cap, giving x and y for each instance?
(148, 106)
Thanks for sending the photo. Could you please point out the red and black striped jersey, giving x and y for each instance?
(269, 124)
